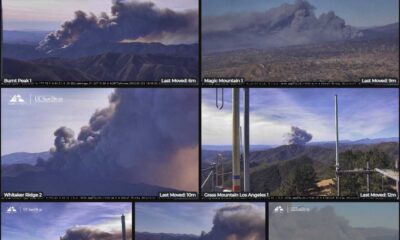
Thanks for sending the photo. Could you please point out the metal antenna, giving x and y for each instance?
(386, 173)
(368, 177)
(337, 167)
(236, 140)
(222, 99)
(241, 142)
(246, 163)
(123, 227)
(216, 172)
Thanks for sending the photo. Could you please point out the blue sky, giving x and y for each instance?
(53, 219)
(47, 15)
(363, 113)
(362, 214)
(29, 127)
(179, 218)
(356, 12)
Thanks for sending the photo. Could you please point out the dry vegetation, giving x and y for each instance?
(329, 62)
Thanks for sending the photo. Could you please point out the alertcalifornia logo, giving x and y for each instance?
(18, 99)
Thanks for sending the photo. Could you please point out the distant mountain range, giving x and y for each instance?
(164, 236)
(24, 37)
(360, 141)
(103, 61)
(15, 50)
(210, 150)
(229, 147)
(378, 233)
(23, 158)
(324, 153)
(264, 147)
(386, 31)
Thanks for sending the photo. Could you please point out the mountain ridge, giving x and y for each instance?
(323, 154)
(23, 157)
(105, 67)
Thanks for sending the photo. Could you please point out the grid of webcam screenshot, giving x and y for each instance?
(200, 120)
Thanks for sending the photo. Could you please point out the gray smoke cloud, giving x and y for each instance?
(129, 20)
(145, 135)
(316, 224)
(65, 139)
(237, 222)
(298, 136)
(288, 24)
(85, 233)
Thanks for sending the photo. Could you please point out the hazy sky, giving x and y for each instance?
(179, 218)
(362, 214)
(55, 218)
(48, 15)
(363, 113)
(355, 12)
(29, 127)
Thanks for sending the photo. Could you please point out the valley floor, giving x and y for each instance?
(330, 62)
